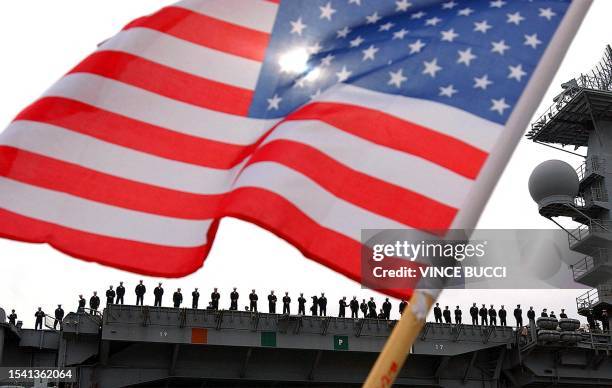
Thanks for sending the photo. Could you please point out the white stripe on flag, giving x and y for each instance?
(319, 204)
(185, 56)
(154, 109)
(353, 152)
(93, 217)
(451, 121)
(86, 151)
(372, 159)
(253, 14)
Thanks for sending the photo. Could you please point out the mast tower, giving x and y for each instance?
(581, 116)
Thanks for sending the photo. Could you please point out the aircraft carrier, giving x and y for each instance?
(172, 347)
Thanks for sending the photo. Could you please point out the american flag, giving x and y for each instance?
(314, 119)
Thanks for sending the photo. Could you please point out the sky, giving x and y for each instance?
(41, 40)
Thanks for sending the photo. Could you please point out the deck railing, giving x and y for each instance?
(589, 262)
(592, 165)
(583, 266)
(584, 230)
(594, 296)
(571, 90)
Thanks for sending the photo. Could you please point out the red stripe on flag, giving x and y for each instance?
(147, 259)
(53, 174)
(207, 31)
(167, 82)
(274, 213)
(258, 206)
(380, 197)
(127, 132)
(392, 132)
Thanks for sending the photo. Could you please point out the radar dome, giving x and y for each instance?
(553, 178)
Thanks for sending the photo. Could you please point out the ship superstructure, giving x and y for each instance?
(581, 116)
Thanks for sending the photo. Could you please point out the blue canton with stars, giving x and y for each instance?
(471, 54)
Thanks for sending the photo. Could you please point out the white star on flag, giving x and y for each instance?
(327, 11)
(532, 40)
(314, 49)
(431, 67)
(482, 26)
(433, 21)
(449, 35)
(482, 82)
(273, 103)
(466, 56)
(497, 4)
(546, 13)
(343, 33)
(515, 18)
(356, 42)
(386, 27)
(343, 74)
(500, 47)
(402, 5)
(416, 47)
(449, 5)
(297, 26)
(369, 53)
(400, 34)
(499, 106)
(373, 18)
(396, 78)
(465, 12)
(326, 61)
(448, 91)
(516, 72)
